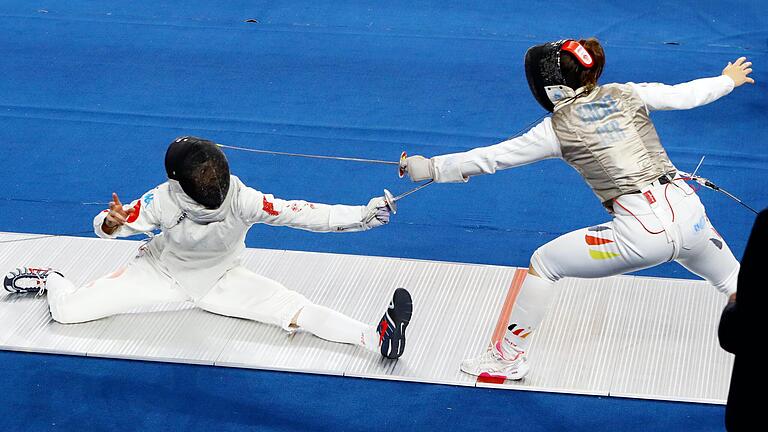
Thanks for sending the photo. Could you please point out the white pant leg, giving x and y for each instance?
(334, 326)
(612, 248)
(704, 252)
(137, 284)
(244, 294)
(635, 239)
(609, 249)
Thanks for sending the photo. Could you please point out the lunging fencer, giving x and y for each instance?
(606, 134)
(203, 214)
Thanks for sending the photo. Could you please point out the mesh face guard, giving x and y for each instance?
(201, 169)
(544, 74)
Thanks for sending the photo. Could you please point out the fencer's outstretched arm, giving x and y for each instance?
(257, 207)
(694, 93)
(537, 144)
(127, 220)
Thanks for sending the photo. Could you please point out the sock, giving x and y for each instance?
(330, 325)
(530, 308)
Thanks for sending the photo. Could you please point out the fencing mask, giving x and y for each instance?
(201, 169)
(546, 78)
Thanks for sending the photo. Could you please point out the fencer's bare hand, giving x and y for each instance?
(739, 71)
(419, 168)
(118, 213)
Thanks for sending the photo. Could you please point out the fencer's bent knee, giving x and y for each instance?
(540, 268)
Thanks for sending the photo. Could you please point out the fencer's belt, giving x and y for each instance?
(664, 179)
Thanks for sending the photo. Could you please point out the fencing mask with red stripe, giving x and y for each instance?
(545, 75)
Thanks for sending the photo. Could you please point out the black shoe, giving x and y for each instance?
(392, 325)
(26, 280)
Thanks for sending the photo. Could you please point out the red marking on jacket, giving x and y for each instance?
(270, 208)
(594, 241)
(135, 215)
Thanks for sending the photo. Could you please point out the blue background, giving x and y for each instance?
(93, 91)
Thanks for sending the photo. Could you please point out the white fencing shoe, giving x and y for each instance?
(494, 364)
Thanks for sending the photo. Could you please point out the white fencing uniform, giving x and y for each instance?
(196, 257)
(618, 153)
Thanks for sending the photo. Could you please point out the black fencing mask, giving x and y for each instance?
(201, 169)
(545, 76)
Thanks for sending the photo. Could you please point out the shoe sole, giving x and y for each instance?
(393, 324)
(9, 285)
(10, 282)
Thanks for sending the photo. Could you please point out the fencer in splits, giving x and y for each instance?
(202, 214)
(606, 134)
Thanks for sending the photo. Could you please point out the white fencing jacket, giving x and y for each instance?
(196, 246)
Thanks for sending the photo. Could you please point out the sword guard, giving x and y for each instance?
(403, 165)
(390, 200)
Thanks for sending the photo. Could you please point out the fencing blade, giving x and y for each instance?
(314, 156)
(392, 200)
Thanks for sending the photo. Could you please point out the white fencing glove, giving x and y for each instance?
(376, 213)
(419, 168)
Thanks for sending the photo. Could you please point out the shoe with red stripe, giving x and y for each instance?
(27, 279)
(495, 364)
(392, 326)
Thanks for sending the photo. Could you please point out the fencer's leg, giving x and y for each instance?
(135, 285)
(506, 358)
(245, 294)
(710, 257)
(609, 249)
(334, 326)
(388, 338)
(529, 310)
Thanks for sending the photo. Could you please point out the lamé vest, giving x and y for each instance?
(608, 137)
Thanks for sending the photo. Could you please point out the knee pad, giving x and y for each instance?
(539, 265)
